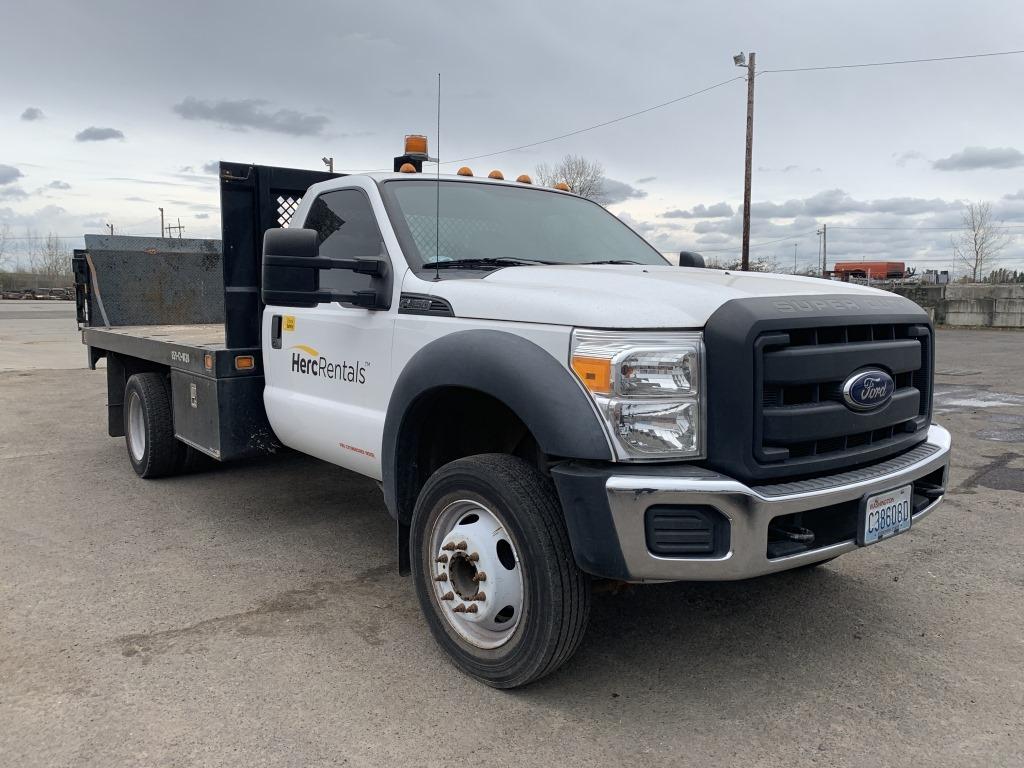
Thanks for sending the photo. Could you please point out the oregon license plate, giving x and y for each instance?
(883, 515)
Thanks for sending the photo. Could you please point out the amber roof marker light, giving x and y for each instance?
(524, 179)
(416, 146)
(496, 174)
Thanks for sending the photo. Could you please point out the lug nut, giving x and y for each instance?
(449, 546)
(442, 559)
(448, 596)
(461, 545)
(479, 597)
(472, 609)
(473, 557)
(460, 608)
(481, 576)
(441, 577)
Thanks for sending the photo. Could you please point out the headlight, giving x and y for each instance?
(649, 389)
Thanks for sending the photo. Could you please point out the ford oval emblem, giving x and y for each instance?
(867, 390)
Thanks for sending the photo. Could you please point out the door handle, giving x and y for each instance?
(275, 332)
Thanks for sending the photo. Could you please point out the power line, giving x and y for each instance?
(597, 125)
(892, 63)
(914, 229)
(764, 242)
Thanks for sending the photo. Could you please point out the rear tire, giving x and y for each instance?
(506, 513)
(153, 450)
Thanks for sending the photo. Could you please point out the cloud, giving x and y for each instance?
(613, 191)
(13, 193)
(787, 169)
(202, 216)
(973, 158)
(136, 199)
(58, 184)
(835, 202)
(1019, 195)
(32, 113)
(92, 133)
(8, 174)
(643, 227)
(212, 167)
(902, 158)
(646, 179)
(714, 211)
(242, 114)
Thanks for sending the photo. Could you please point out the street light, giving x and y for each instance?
(329, 162)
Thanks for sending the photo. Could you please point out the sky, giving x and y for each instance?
(111, 109)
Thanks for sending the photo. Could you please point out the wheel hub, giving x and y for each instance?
(477, 574)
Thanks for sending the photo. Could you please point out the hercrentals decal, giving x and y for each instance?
(310, 362)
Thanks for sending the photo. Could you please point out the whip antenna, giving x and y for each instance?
(437, 187)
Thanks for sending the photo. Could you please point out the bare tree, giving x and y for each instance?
(52, 259)
(979, 244)
(5, 232)
(584, 177)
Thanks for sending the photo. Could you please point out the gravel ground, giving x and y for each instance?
(252, 615)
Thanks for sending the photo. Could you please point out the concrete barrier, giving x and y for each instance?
(969, 304)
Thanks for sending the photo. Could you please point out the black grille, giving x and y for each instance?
(801, 414)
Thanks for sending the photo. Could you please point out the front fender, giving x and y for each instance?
(518, 373)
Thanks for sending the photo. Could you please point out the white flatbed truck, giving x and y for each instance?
(543, 398)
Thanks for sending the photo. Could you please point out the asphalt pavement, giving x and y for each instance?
(252, 614)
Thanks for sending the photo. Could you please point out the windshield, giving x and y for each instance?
(505, 224)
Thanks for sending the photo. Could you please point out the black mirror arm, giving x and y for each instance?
(365, 299)
(372, 267)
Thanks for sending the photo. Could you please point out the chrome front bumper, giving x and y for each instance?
(750, 510)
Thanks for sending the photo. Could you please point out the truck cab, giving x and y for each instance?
(546, 400)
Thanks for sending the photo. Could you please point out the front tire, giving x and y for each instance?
(153, 450)
(494, 571)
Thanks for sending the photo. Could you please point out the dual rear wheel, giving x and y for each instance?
(153, 450)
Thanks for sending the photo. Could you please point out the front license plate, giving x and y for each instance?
(885, 514)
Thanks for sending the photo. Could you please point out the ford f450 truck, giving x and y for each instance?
(543, 398)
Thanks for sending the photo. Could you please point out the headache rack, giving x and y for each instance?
(192, 308)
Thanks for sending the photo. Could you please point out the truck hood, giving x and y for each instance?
(619, 296)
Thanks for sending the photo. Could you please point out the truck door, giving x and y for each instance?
(328, 368)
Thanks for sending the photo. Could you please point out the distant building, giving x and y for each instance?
(875, 270)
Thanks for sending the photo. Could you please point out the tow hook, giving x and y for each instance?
(788, 539)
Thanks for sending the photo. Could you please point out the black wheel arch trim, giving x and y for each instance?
(516, 372)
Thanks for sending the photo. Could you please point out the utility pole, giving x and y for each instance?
(795, 246)
(824, 248)
(741, 60)
(178, 228)
(111, 228)
(329, 162)
(162, 230)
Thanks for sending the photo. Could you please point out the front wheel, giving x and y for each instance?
(495, 574)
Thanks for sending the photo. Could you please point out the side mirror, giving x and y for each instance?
(291, 272)
(691, 259)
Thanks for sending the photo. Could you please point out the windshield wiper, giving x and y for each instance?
(483, 263)
(610, 261)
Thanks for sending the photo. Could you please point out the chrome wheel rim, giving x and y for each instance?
(476, 575)
(136, 427)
